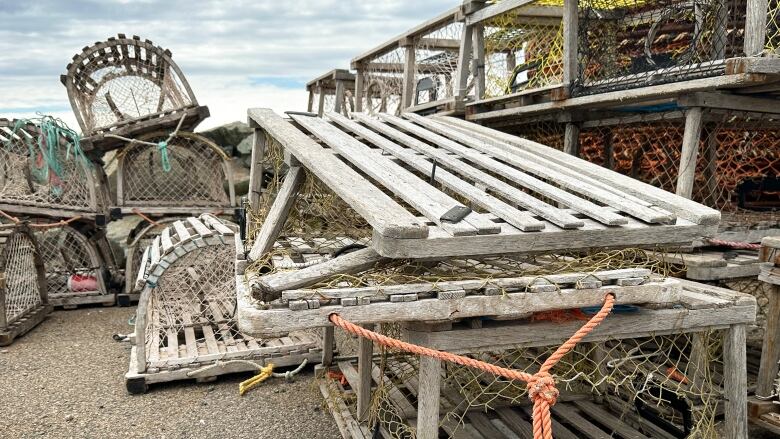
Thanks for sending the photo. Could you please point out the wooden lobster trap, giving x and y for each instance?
(186, 325)
(44, 172)
(332, 91)
(79, 264)
(23, 299)
(186, 174)
(128, 87)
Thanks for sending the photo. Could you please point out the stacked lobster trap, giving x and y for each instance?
(345, 240)
(49, 183)
(332, 91)
(186, 322)
(23, 296)
(130, 97)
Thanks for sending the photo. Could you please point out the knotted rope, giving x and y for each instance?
(541, 385)
(161, 146)
(734, 244)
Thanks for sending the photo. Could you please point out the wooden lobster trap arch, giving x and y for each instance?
(186, 175)
(127, 87)
(186, 325)
(45, 177)
(78, 272)
(23, 298)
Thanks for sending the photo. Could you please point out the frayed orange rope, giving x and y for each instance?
(16, 220)
(541, 385)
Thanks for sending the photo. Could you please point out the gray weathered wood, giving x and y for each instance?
(571, 33)
(464, 63)
(521, 220)
(755, 27)
(359, 88)
(385, 215)
(770, 352)
(735, 381)
(571, 140)
(256, 170)
(337, 106)
(365, 367)
(428, 398)
(690, 152)
(278, 213)
(271, 286)
(478, 60)
(409, 84)
(495, 10)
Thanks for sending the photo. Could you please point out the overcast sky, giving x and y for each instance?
(236, 54)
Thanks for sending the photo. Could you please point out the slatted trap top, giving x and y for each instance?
(440, 187)
(41, 175)
(117, 84)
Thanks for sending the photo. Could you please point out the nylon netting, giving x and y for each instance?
(383, 82)
(35, 171)
(773, 27)
(524, 48)
(329, 102)
(668, 381)
(123, 79)
(142, 237)
(762, 291)
(71, 266)
(196, 177)
(547, 132)
(22, 290)
(196, 293)
(436, 63)
(630, 43)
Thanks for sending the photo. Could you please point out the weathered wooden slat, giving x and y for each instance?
(521, 220)
(277, 214)
(426, 199)
(680, 206)
(610, 420)
(385, 215)
(527, 181)
(551, 171)
(546, 211)
(199, 227)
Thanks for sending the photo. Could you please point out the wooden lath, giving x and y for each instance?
(526, 197)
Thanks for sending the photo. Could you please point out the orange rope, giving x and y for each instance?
(16, 220)
(541, 385)
(149, 220)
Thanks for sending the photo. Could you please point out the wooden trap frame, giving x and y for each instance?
(23, 298)
(762, 407)
(187, 177)
(79, 264)
(332, 91)
(128, 87)
(29, 185)
(394, 394)
(185, 324)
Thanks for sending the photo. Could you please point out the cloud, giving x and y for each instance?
(236, 54)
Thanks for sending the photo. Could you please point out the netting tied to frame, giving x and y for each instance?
(22, 283)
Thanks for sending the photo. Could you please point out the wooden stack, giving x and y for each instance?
(442, 191)
(130, 97)
(65, 199)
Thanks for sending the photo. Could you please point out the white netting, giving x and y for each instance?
(22, 290)
(123, 79)
(71, 262)
(35, 172)
(196, 175)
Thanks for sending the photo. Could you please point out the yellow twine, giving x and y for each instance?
(265, 373)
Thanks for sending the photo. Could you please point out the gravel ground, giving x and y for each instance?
(65, 379)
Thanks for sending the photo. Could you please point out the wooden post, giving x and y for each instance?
(570, 32)
(720, 31)
(359, 85)
(256, 169)
(770, 352)
(365, 365)
(410, 75)
(735, 381)
(571, 140)
(755, 27)
(428, 398)
(321, 104)
(3, 319)
(609, 149)
(328, 338)
(690, 152)
(337, 106)
(478, 61)
(277, 215)
(464, 61)
(310, 105)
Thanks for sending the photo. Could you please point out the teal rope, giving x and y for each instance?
(51, 129)
(166, 163)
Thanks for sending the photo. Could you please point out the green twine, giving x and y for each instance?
(48, 145)
(163, 148)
